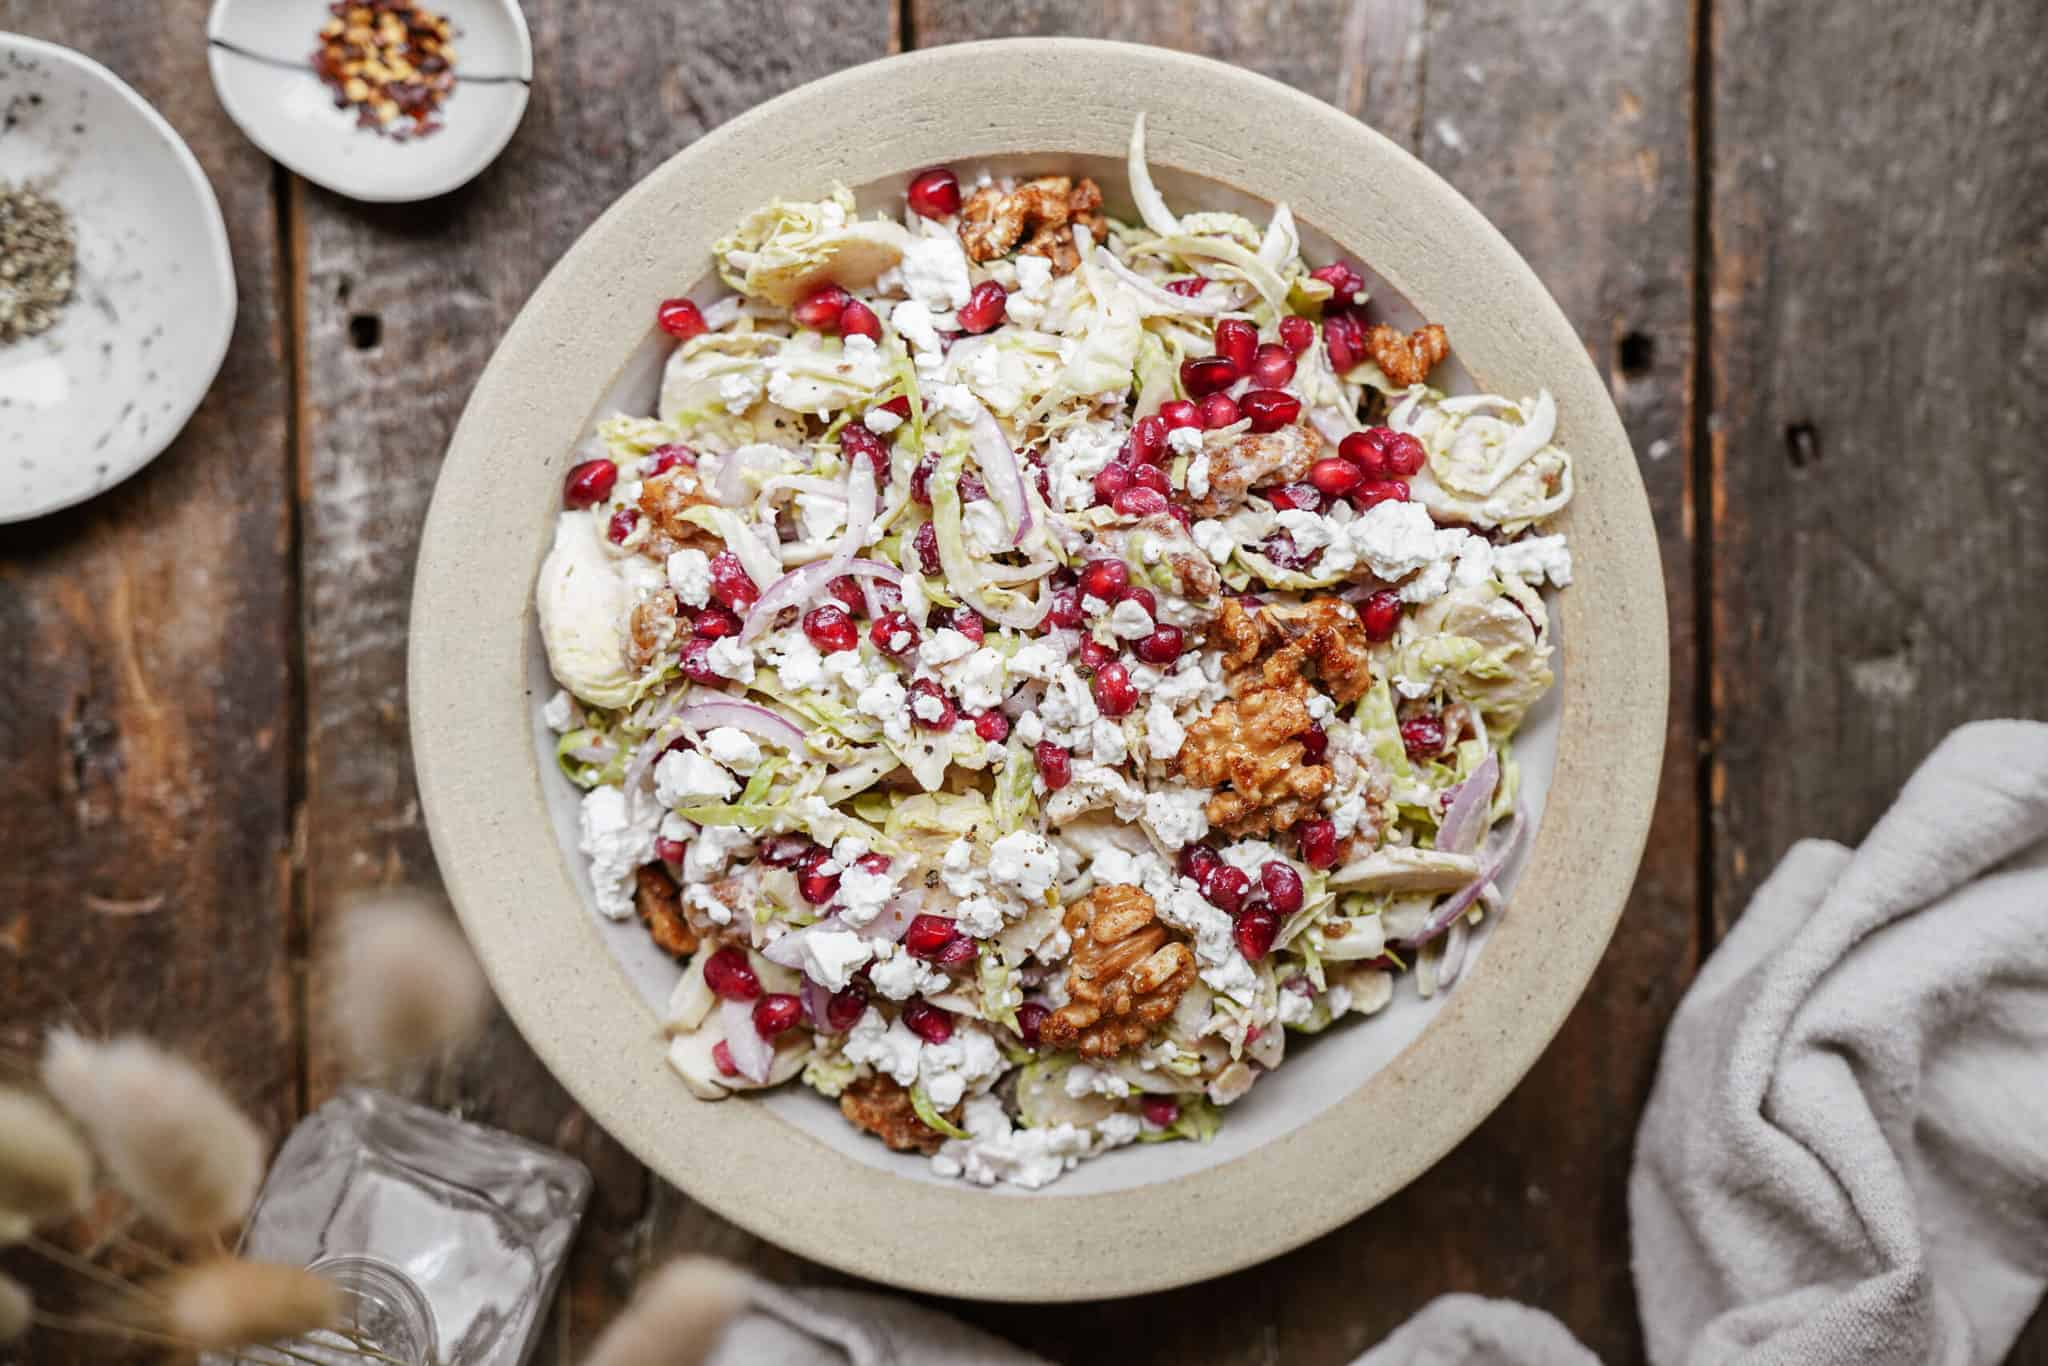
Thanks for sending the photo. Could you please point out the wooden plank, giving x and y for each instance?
(402, 307)
(1879, 506)
(1571, 130)
(147, 699)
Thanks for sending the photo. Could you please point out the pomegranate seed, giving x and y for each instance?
(1030, 1017)
(1283, 887)
(1380, 491)
(1315, 742)
(927, 1021)
(1093, 654)
(934, 193)
(1297, 334)
(872, 863)
(1334, 477)
(730, 583)
(1272, 366)
(716, 623)
(1381, 614)
(858, 320)
(1343, 279)
(1160, 1112)
(776, 1013)
(820, 309)
(1115, 694)
(1148, 439)
(992, 726)
(921, 480)
(925, 541)
(729, 975)
(1318, 843)
(1228, 887)
(1055, 765)
(1208, 375)
(721, 1057)
(1423, 736)
(679, 318)
(1066, 608)
(817, 887)
(787, 851)
(662, 459)
(589, 483)
(670, 851)
(1299, 497)
(1187, 286)
(1150, 477)
(1218, 410)
(1139, 502)
(831, 629)
(1178, 412)
(1257, 927)
(929, 688)
(1344, 339)
(1105, 579)
(696, 662)
(968, 623)
(1367, 450)
(845, 590)
(621, 524)
(1270, 409)
(845, 1007)
(928, 934)
(984, 308)
(1237, 341)
(1144, 597)
(1405, 455)
(1111, 480)
(858, 443)
(1200, 862)
(899, 405)
(960, 950)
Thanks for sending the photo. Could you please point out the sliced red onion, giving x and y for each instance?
(1464, 822)
(799, 586)
(1281, 240)
(894, 921)
(1000, 471)
(721, 312)
(1446, 915)
(755, 720)
(789, 950)
(590, 754)
(751, 1053)
(816, 1000)
(1453, 960)
(1330, 424)
(1158, 299)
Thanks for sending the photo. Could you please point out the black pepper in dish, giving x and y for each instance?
(390, 61)
(37, 256)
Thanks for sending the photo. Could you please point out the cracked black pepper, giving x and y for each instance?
(37, 256)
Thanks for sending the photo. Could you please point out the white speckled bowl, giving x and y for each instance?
(259, 52)
(1346, 1121)
(99, 395)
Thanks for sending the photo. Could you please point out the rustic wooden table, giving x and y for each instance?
(1804, 239)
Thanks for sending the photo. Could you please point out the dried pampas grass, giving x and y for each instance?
(676, 1318)
(45, 1172)
(14, 1229)
(229, 1303)
(406, 986)
(17, 1311)
(169, 1135)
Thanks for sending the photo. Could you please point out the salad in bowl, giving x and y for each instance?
(1032, 664)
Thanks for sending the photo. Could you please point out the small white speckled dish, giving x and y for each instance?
(100, 394)
(1351, 1118)
(260, 52)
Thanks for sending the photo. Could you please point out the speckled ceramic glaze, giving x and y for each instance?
(94, 399)
(259, 52)
(1366, 1108)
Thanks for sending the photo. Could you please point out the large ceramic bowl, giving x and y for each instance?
(1348, 1120)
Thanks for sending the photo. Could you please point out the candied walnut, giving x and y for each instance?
(1039, 215)
(884, 1109)
(660, 906)
(651, 630)
(663, 501)
(1255, 459)
(1125, 974)
(1240, 632)
(1327, 633)
(1247, 748)
(1408, 360)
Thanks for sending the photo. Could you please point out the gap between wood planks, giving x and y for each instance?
(1705, 710)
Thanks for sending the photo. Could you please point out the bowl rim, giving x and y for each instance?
(480, 779)
(220, 261)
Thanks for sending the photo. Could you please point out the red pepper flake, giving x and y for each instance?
(390, 61)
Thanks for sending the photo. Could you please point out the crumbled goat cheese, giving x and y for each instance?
(886, 701)
(862, 895)
(682, 775)
(734, 748)
(899, 977)
(616, 846)
(712, 849)
(1163, 734)
(880, 421)
(819, 516)
(796, 661)
(1296, 1007)
(914, 321)
(1129, 620)
(728, 658)
(1534, 559)
(1025, 863)
(935, 272)
(979, 916)
(556, 713)
(689, 573)
(831, 956)
(1184, 440)
(1176, 816)
(740, 390)
(944, 646)
(1083, 1080)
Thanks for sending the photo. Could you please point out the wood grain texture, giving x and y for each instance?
(1880, 338)
(145, 707)
(401, 308)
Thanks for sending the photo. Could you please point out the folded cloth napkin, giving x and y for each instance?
(1845, 1156)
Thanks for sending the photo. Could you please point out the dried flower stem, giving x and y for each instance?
(72, 1262)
